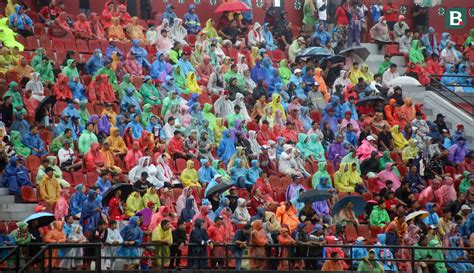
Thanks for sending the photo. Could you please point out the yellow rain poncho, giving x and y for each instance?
(210, 30)
(275, 104)
(134, 204)
(192, 84)
(189, 176)
(410, 151)
(398, 139)
(7, 35)
(164, 240)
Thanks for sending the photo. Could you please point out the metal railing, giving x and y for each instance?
(43, 260)
(463, 101)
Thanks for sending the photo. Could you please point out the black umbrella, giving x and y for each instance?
(368, 99)
(42, 108)
(126, 190)
(314, 196)
(43, 218)
(316, 53)
(334, 59)
(357, 51)
(357, 201)
(219, 188)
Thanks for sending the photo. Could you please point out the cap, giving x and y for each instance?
(265, 147)
(445, 131)
(370, 138)
(286, 147)
(301, 39)
(360, 238)
(459, 126)
(187, 50)
(465, 207)
(150, 204)
(440, 115)
(298, 70)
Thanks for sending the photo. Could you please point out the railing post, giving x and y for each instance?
(352, 261)
(413, 258)
(98, 259)
(162, 256)
(43, 268)
(17, 258)
(226, 258)
(50, 260)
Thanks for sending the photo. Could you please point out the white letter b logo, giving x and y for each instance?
(455, 18)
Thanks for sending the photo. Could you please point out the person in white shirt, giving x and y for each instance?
(389, 75)
(448, 55)
(322, 7)
(113, 242)
(399, 28)
(404, 43)
(167, 132)
(67, 158)
(255, 37)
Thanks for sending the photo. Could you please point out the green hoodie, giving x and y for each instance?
(15, 234)
(316, 148)
(465, 182)
(83, 112)
(127, 84)
(416, 52)
(168, 102)
(321, 173)
(379, 217)
(45, 71)
(18, 106)
(146, 115)
(232, 74)
(302, 145)
(150, 94)
(69, 71)
(384, 66)
(109, 72)
(208, 115)
(85, 141)
(38, 58)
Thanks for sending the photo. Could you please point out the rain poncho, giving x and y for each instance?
(399, 140)
(385, 253)
(20, 20)
(69, 71)
(76, 202)
(139, 53)
(89, 215)
(458, 254)
(379, 217)
(129, 100)
(284, 72)
(433, 217)
(178, 32)
(437, 254)
(169, 14)
(321, 173)
(15, 176)
(133, 204)
(34, 142)
(416, 52)
(18, 146)
(191, 83)
(17, 99)
(430, 42)
(95, 62)
(226, 147)
(149, 92)
(158, 67)
(316, 148)
(191, 20)
(7, 35)
(189, 176)
(131, 232)
(85, 141)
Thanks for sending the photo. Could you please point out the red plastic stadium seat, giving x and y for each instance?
(59, 107)
(98, 108)
(82, 46)
(392, 49)
(28, 194)
(191, 38)
(351, 233)
(90, 108)
(103, 45)
(12, 226)
(316, 116)
(396, 157)
(204, 98)
(45, 42)
(252, 126)
(278, 55)
(403, 170)
(33, 16)
(281, 196)
(39, 30)
(94, 44)
(180, 165)
(68, 177)
(70, 44)
(58, 44)
(32, 43)
(33, 162)
(91, 178)
(22, 40)
(78, 178)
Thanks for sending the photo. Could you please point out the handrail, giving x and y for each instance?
(15, 250)
(34, 258)
(443, 91)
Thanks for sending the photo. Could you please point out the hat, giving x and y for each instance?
(465, 207)
(401, 18)
(360, 238)
(298, 70)
(433, 227)
(440, 115)
(445, 131)
(459, 127)
(286, 147)
(301, 39)
(265, 147)
(370, 138)
(150, 204)
(187, 50)
(217, 176)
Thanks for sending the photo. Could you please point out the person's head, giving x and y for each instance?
(69, 219)
(165, 225)
(144, 176)
(171, 121)
(102, 225)
(393, 68)
(381, 204)
(236, 109)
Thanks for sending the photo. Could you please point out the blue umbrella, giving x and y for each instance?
(43, 218)
(357, 201)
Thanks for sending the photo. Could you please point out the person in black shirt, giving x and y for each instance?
(385, 139)
(440, 123)
(230, 32)
(142, 185)
(240, 240)
(233, 196)
(371, 164)
(6, 111)
(420, 18)
(179, 241)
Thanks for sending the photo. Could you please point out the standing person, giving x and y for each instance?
(390, 12)
(179, 241)
(132, 238)
(321, 8)
(113, 240)
(199, 241)
(258, 240)
(355, 25)
(240, 240)
(163, 237)
(420, 18)
(342, 21)
(309, 16)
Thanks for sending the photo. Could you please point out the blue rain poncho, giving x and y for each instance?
(95, 62)
(33, 141)
(70, 111)
(140, 54)
(129, 100)
(131, 232)
(15, 176)
(226, 147)
(136, 127)
(90, 216)
(206, 174)
(76, 202)
(158, 67)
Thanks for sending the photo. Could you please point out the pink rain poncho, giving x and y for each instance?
(447, 191)
(388, 174)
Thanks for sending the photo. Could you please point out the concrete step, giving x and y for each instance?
(17, 207)
(371, 47)
(14, 216)
(3, 191)
(7, 199)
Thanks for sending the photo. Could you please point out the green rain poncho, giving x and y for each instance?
(38, 58)
(18, 146)
(85, 141)
(379, 217)
(180, 79)
(219, 169)
(437, 254)
(45, 70)
(58, 143)
(169, 102)
(309, 13)
(149, 92)
(127, 84)
(17, 99)
(208, 115)
(465, 182)
(316, 148)
(232, 74)
(302, 145)
(384, 66)
(21, 234)
(416, 52)
(284, 72)
(109, 72)
(83, 112)
(470, 38)
(146, 115)
(321, 173)
(370, 265)
(349, 159)
(7, 35)
(69, 71)
(386, 159)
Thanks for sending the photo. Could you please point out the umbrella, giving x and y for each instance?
(357, 201)
(43, 218)
(126, 189)
(334, 59)
(40, 110)
(316, 53)
(232, 7)
(314, 196)
(219, 188)
(421, 213)
(404, 81)
(357, 52)
(368, 99)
